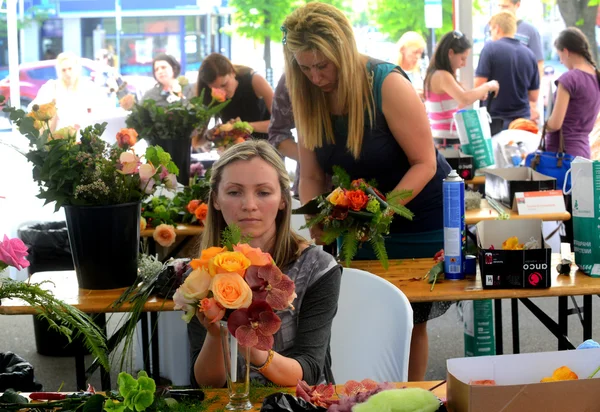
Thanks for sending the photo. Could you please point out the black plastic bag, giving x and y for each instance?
(171, 277)
(16, 373)
(48, 246)
(286, 402)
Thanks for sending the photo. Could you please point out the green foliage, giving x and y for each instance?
(63, 318)
(231, 235)
(378, 245)
(341, 178)
(395, 17)
(136, 394)
(349, 247)
(175, 121)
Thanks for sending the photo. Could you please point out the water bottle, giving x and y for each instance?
(513, 154)
(454, 226)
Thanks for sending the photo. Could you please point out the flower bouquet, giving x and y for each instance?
(240, 287)
(101, 188)
(356, 212)
(230, 133)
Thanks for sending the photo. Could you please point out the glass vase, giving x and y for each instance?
(237, 371)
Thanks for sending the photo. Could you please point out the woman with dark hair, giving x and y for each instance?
(577, 98)
(165, 69)
(251, 95)
(444, 95)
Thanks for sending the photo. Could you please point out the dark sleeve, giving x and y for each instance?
(196, 335)
(484, 67)
(535, 81)
(282, 116)
(314, 325)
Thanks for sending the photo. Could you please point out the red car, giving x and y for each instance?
(33, 75)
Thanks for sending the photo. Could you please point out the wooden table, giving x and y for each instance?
(186, 231)
(406, 275)
(487, 213)
(180, 230)
(221, 400)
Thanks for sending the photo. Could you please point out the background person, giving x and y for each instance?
(250, 181)
(76, 97)
(251, 95)
(514, 67)
(345, 119)
(411, 46)
(166, 69)
(444, 95)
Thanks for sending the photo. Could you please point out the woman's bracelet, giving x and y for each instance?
(265, 365)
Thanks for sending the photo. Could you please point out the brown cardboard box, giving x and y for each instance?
(513, 269)
(518, 386)
(502, 184)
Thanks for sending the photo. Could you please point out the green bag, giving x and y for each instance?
(585, 200)
(473, 129)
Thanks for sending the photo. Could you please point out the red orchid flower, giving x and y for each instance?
(255, 326)
(318, 395)
(353, 387)
(270, 285)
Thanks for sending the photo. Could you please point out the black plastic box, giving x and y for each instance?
(502, 184)
(462, 163)
(513, 269)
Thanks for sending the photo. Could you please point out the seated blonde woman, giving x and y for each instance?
(76, 97)
(410, 51)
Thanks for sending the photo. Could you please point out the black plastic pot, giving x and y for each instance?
(104, 243)
(180, 151)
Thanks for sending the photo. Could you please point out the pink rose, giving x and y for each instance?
(164, 235)
(212, 309)
(171, 181)
(129, 163)
(13, 252)
(147, 186)
(147, 171)
(164, 172)
(219, 95)
(187, 305)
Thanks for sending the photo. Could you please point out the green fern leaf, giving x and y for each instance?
(402, 211)
(341, 178)
(231, 235)
(314, 221)
(349, 247)
(330, 235)
(378, 245)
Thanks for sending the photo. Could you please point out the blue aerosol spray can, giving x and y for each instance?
(454, 226)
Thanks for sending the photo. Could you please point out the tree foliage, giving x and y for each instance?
(582, 14)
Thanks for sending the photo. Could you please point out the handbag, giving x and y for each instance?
(496, 123)
(550, 163)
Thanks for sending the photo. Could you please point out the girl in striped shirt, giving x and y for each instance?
(444, 95)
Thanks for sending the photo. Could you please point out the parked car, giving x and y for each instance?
(33, 75)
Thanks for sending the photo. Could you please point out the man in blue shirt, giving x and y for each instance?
(514, 66)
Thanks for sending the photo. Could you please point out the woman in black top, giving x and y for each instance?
(250, 94)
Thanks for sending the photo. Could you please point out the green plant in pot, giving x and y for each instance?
(101, 188)
(172, 125)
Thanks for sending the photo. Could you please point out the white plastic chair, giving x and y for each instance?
(371, 332)
(298, 221)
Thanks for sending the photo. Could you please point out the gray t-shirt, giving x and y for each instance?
(305, 331)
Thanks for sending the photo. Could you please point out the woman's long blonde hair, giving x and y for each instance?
(61, 59)
(321, 27)
(286, 248)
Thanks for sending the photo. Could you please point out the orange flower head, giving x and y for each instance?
(357, 199)
(44, 112)
(231, 291)
(126, 137)
(205, 256)
(338, 198)
(229, 262)
(193, 205)
(219, 95)
(561, 374)
(257, 257)
(201, 212)
(164, 235)
(127, 102)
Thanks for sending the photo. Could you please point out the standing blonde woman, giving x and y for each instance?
(410, 50)
(76, 97)
(363, 115)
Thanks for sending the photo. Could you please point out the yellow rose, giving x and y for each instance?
(64, 133)
(229, 262)
(338, 198)
(231, 291)
(196, 285)
(206, 256)
(44, 112)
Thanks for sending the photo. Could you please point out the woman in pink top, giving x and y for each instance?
(444, 95)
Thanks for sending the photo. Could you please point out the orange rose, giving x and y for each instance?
(218, 94)
(196, 285)
(357, 199)
(239, 140)
(126, 137)
(231, 290)
(44, 112)
(201, 212)
(206, 256)
(229, 262)
(338, 198)
(212, 309)
(127, 102)
(257, 257)
(192, 206)
(143, 223)
(164, 235)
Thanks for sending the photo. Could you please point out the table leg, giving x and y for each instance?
(498, 326)
(548, 322)
(80, 370)
(514, 305)
(155, 353)
(587, 317)
(145, 342)
(563, 320)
